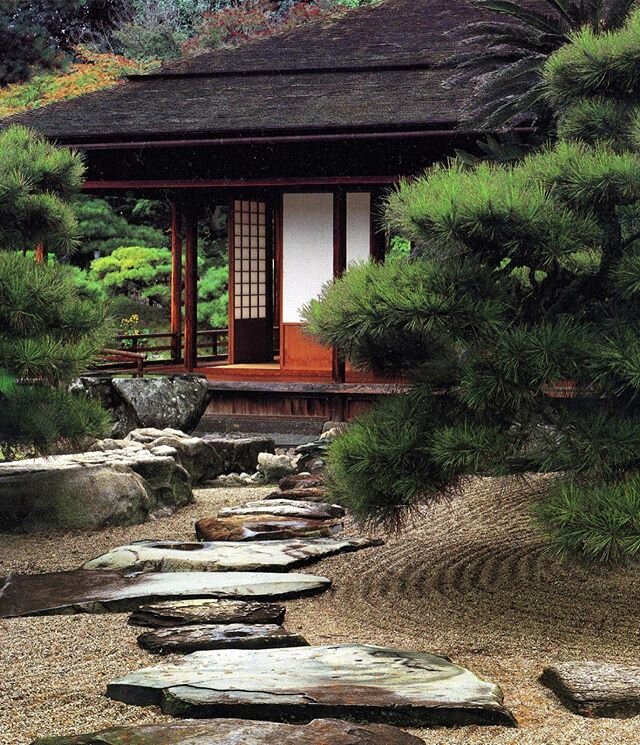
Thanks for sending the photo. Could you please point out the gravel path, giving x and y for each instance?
(468, 579)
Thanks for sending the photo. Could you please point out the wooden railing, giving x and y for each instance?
(164, 348)
(161, 346)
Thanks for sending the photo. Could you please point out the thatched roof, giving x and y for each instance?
(373, 68)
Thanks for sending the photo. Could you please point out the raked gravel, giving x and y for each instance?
(469, 579)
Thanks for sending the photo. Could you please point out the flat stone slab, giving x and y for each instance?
(201, 611)
(264, 528)
(596, 689)
(187, 639)
(301, 481)
(239, 732)
(170, 556)
(286, 508)
(354, 682)
(85, 591)
(306, 494)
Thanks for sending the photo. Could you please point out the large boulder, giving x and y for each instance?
(168, 481)
(176, 401)
(199, 457)
(39, 496)
(275, 467)
(240, 454)
(167, 401)
(101, 390)
(91, 490)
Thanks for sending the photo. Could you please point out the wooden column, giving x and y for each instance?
(339, 266)
(378, 233)
(190, 222)
(42, 255)
(176, 283)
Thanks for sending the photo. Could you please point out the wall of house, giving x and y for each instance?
(307, 264)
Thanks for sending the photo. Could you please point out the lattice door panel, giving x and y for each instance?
(251, 273)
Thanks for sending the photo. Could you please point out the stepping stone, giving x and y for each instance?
(355, 682)
(596, 689)
(84, 591)
(301, 481)
(239, 732)
(264, 528)
(286, 508)
(311, 494)
(186, 639)
(190, 612)
(169, 556)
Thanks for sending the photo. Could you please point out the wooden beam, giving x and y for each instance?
(176, 283)
(190, 222)
(302, 181)
(339, 267)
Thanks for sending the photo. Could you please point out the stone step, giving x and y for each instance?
(198, 611)
(187, 639)
(355, 682)
(309, 494)
(170, 556)
(596, 689)
(239, 732)
(286, 508)
(84, 591)
(301, 481)
(264, 527)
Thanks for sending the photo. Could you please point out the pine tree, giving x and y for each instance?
(502, 57)
(49, 333)
(517, 322)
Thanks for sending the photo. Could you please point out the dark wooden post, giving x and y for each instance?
(176, 283)
(190, 221)
(378, 234)
(339, 264)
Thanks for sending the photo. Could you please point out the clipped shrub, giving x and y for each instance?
(136, 271)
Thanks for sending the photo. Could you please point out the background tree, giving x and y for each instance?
(48, 332)
(524, 289)
(109, 224)
(503, 57)
(36, 34)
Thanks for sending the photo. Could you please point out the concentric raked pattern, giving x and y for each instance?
(474, 574)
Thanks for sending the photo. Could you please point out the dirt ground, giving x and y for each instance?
(469, 579)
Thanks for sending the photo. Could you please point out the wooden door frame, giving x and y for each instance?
(271, 223)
